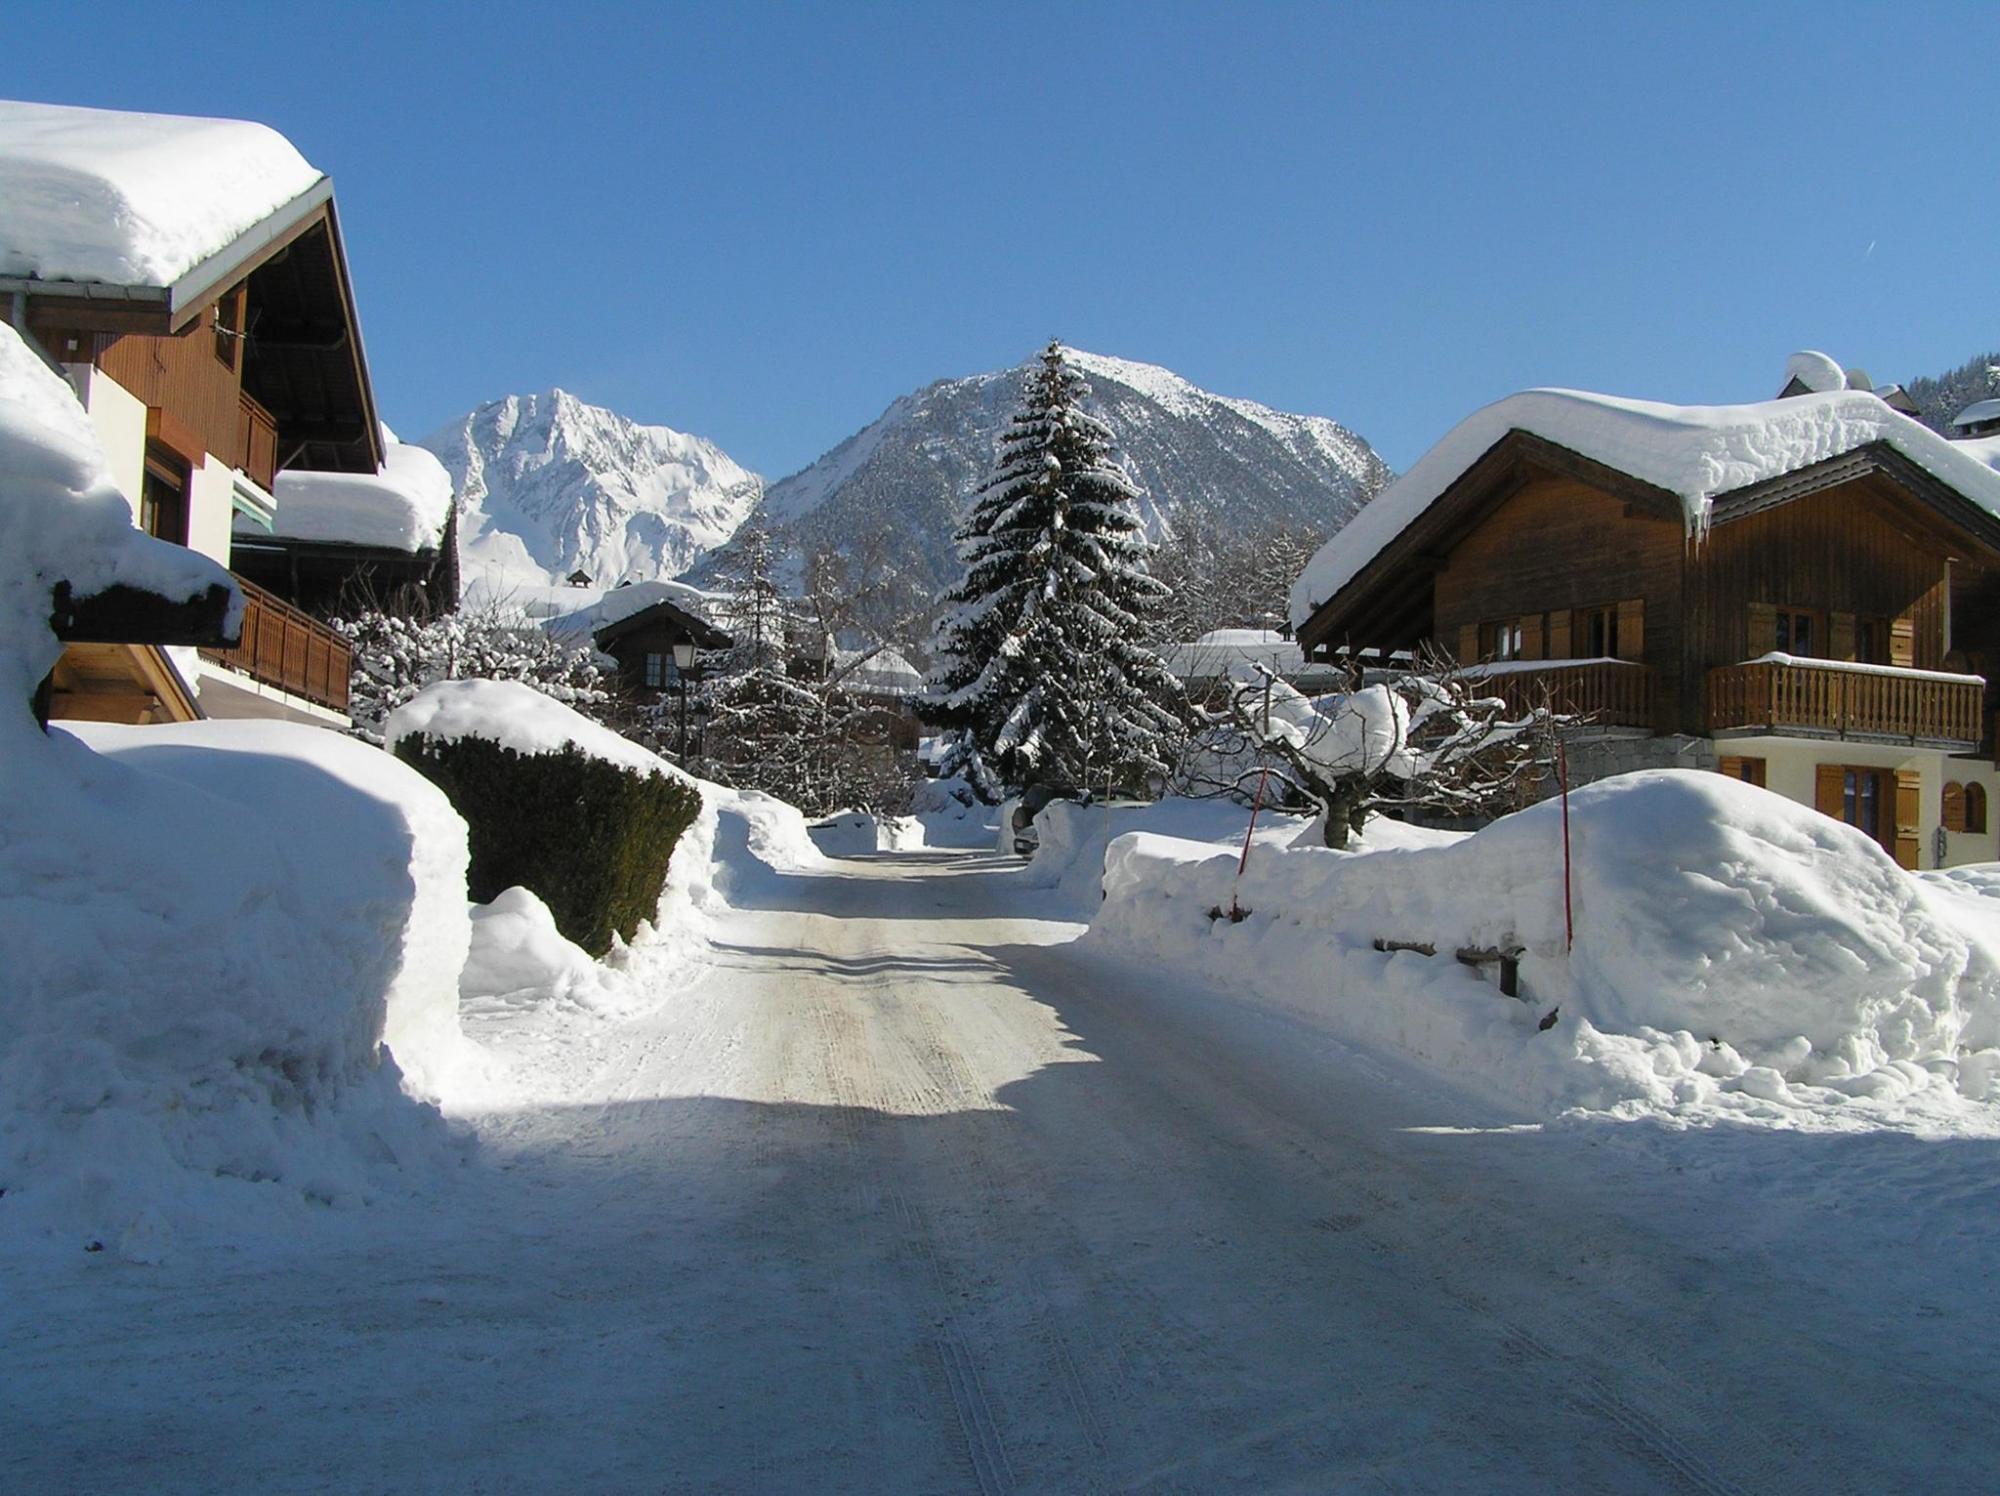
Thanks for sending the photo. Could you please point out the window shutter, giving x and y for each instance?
(1908, 813)
(1954, 806)
(1632, 629)
(1531, 637)
(1731, 768)
(1975, 809)
(1903, 641)
(1829, 789)
(1559, 640)
(1468, 644)
(1840, 637)
(1763, 629)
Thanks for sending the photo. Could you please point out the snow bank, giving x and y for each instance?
(403, 507)
(1735, 954)
(1696, 452)
(519, 959)
(953, 815)
(515, 716)
(133, 199)
(1070, 857)
(211, 931)
(856, 833)
(381, 851)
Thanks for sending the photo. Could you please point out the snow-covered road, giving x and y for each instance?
(913, 1194)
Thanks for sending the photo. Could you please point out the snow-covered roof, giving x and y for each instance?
(1695, 452)
(1217, 652)
(63, 519)
(403, 507)
(102, 195)
(1819, 373)
(1977, 413)
(885, 673)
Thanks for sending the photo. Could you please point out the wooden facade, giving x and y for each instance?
(1532, 555)
(260, 369)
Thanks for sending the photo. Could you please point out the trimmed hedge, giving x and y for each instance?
(590, 838)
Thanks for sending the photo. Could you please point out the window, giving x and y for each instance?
(1501, 640)
(1597, 633)
(1798, 632)
(163, 499)
(1965, 808)
(656, 670)
(1861, 800)
(1871, 641)
(1749, 770)
(229, 328)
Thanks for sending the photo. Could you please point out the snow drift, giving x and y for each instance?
(1734, 953)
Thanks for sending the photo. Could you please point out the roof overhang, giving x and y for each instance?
(704, 634)
(1387, 604)
(168, 309)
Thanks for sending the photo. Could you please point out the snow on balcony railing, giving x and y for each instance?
(1845, 699)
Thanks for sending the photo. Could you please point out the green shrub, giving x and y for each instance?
(592, 839)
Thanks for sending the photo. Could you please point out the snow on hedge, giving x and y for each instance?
(403, 507)
(515, 716)
(1696, 452)
(63, 519)
(1736, 954)
(133, 199)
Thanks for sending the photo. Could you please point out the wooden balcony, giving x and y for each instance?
(290, 650)
(1603, 693)
(259, 442)
(1824, 699)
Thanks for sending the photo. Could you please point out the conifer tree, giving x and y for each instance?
(1041, 662)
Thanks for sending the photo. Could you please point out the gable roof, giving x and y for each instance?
(136, 223)
(1685, 458)
(705, 634)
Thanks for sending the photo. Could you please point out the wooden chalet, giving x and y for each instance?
(643, 645)
(1826, 628)
(202, 386)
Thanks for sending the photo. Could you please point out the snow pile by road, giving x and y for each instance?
(1735, 955)
(133, 199)
(1072, 839)
(216, 935)
(402, 508)
(857, 833)
(952, 814)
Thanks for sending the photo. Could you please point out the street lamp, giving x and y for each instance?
(683, 662)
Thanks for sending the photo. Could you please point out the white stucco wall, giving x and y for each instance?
(120, 419)
(1791, 767)
(210, 508)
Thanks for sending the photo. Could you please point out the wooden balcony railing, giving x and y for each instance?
(1824, 699)
(1605, 693)
(259, 435)
(288, 649)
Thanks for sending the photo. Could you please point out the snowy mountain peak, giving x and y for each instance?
(904, 481)
(549, 484)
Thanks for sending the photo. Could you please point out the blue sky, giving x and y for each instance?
(762, 223)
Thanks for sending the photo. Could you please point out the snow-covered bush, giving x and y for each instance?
(1423, 737)
(395, 657)
(555, 803)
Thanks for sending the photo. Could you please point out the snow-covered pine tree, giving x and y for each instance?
(1041, 661)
